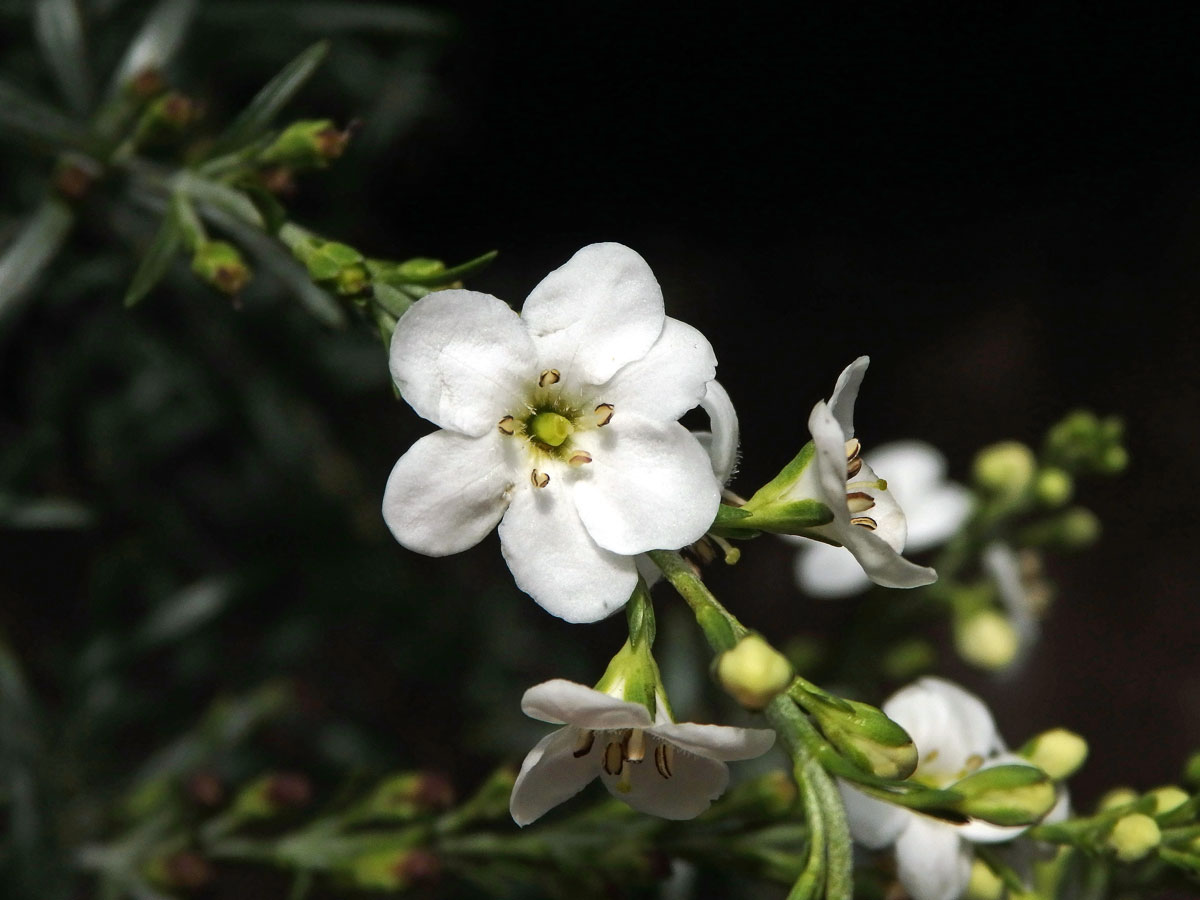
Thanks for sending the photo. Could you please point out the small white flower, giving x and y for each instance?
(560, 424)
(934, 510)
(955, 736)
(664, 768)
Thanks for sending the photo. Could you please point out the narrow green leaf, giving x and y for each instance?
(185, 612)
(23, 117)
(59, 27)
(42, 513)
(223, 197)
(157, 261)
(457, 273)
(33, 249)
(261, 111)
(156, 43)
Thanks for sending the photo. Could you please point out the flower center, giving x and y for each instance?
(550, 428)
(857, 499)
(628, 746)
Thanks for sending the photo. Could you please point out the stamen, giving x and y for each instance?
(864, 522)
(974, 761)
(539, 479)
(604, 414)
(877, 485)
(635, 746)
(614, 758)
(583, 746)
(859, 502)
(507, 426)
(664, 760)
(853, 448)
(853, 467)
(580, 458)
(549, 377)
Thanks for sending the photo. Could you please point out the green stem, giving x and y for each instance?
(720, 626)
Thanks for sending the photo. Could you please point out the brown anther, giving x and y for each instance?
(859, 501)
(614, 758)
(604, 414)
(974, 761)
(664, 760)
(853, 448)
(635, 746)
(579, 458)
(549, 377)
(507, 426)
(583, 746)
(864, 522)
(539, 479)
(853, 467)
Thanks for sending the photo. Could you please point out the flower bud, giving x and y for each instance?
(1134, 836)
(310, 144)
(753, 672)
(865, 736)
(1004, 469)
(984, 884)
(394, 870)
(1117, 797)
(1072, 529)
(1006, 795)
(337, 265)
(409, 794)
(271, 795)
(1053, 487)
(1191, 770)
(1058, 752)
(986, 639)
(1168, 798)
(1083, 443)
(220, 265)
(165, 117)
(906, 660)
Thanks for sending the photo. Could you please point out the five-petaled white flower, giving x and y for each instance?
(867, 520)
(955, 735)
(669, 769)
(934, 509)
(560, 424)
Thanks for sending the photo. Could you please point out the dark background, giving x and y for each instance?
(999, 206)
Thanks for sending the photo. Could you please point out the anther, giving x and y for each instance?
(664, 760)
(635, 746)
(859, 502)
(974, 761)
(604, 414)
(579, 458)
(853, 467)
(507, 426)
(539, 479)
(549, 377)
(864, 522)
(853, 448)
(583, 746)
(614, 758)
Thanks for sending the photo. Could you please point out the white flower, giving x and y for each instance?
(657, 766)
(934, 510)
(560, 424)
(955, 736)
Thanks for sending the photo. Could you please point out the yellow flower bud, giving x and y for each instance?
(1005, 469)
(1134, 836)
(1053, 487)
(1167, 798)
(1058, 752)
(753, 672)
(984, 884)
(986, 639)
(1119, 796)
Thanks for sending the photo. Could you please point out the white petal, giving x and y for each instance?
(916, 475)
(561, 702)
(937, 516)
(1001, 563)
(915, 464)
(845, 392)
(695, 782)
(650, 486)
(549, 775)
(891, 525)
(722, 445)
(933, 862)
(598, 312)
(555, 561)
(829, 572)
(669, 380)
(447, 492)
(947, 724)
(722, 742)
(461, 359)
(873, 823)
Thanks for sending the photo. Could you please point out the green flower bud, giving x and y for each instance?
(753, 672)
(1191, 770)
(408, 795)
(1072, 529)
(1006, 795)
(1083, 443)
(1134, 836)
(271, 795)
(1167, 798)
(1058, 752)
(394, 870)
(986, 639)
(1053, 487)
(984, 884)
(1117, 797)
(1004, 469)
(166, 116)
(220, 264)
(309, 144)
(865, 736)
(420, 267)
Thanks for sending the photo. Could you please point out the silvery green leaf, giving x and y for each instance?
(267, 103)
(223, 197)
(59, 27)
(159, 256)
(34, 247)
(184, 612)
(156, 44)
(24, 117)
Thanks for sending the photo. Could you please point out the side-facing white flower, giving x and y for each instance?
(560, 424)
(955, 736)
(934, 509)
(657, 766)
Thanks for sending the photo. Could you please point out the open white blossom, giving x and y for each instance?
(934, 509)
(955, 736)
(867, 520)
(560, 424)
(664, 768)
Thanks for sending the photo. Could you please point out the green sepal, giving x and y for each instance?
(1007, 795)
(785, 479)
(429, 273)
(394, 301)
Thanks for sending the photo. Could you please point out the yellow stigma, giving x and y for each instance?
(550, 428)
